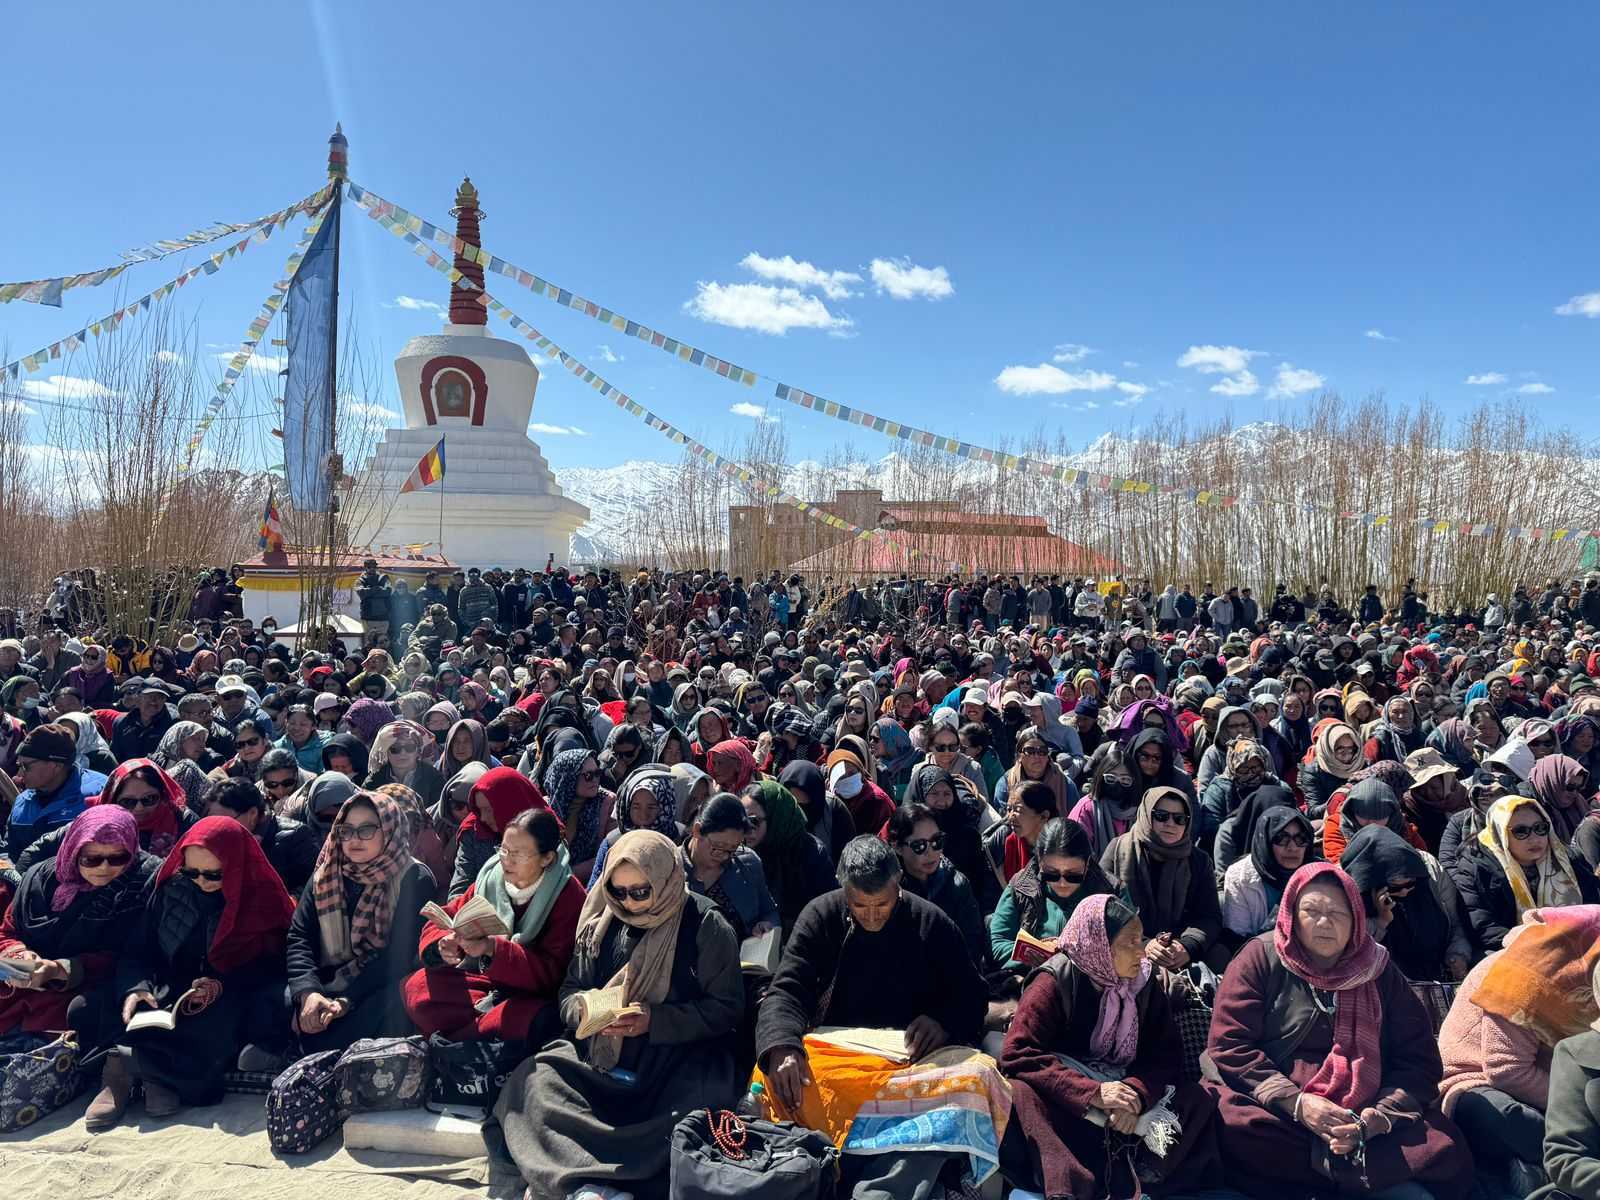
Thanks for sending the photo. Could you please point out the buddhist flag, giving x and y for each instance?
(429, 471)
(271, 531)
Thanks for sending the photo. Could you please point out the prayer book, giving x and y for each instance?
(473, 920)
(759, 955)
(161, 1018)
(601, 1007)
(888, 1044)
(1031, 951)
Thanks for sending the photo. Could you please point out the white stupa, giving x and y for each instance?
(502, 505)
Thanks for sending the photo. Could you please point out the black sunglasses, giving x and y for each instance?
(1162, 817)
(643, 892)
(1051, 876)
(923, 845)
(1523, 832)
(150, 801)
(1291, 839)
(946, 747)
(278, 785)
(198, 873)
(241, 743)
(117, 858)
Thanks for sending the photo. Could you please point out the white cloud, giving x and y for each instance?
(66, 388)
(1218, 360)
(762, 307)
(17, 406)
(1131, 366)
(1486, 379)
(1242, 384)
(1586, 305)
(556, 430)
(413, 304)
(1137, 391)
(754, 411)
(1294, 381)
(361, 408)
(1070, 352)
(835, 285)
(1535, 389)
(1049, 380)
(1126, 402)
(168, 358)
(607, 354)
(1379, 335)
(265, 363)
(905, 281)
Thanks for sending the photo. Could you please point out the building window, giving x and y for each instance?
(452, 394)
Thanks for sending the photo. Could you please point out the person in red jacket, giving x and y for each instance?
(504, 987)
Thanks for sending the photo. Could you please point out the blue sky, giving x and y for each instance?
(1068, 215)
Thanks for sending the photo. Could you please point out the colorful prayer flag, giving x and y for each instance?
(427, 472)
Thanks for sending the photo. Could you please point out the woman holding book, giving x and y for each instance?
(1061, 874)
(354, 934)
(499, 794)
(499, 978)
(660, 968)
(208, 957)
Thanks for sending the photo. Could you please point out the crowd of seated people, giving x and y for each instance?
(1305, 906)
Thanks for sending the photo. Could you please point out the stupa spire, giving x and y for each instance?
(465, 306)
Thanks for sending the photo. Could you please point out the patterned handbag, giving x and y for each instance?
(378, 1074)
(469, 1075)
(1436, 996)
(303, 1104)
(1192, 992)
(38, 1075)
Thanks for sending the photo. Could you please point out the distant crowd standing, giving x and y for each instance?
(1189, 892)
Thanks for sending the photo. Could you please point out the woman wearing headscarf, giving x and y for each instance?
(93, 752)
(1035, 763)
(397, 757)
(1517, 864)
(827, 817)
(672, 747)
(1062, 873)
(212, 942)
(958, 810)
(796, 867)
(467, 742)
(1151, 758)
(1489, 731)
(504, 987)
(1580, 739)
(691, 787)
(626, 750)
(1236, 835)
(1561, 785)
(1094, 1046)
(646, 799)
(1313, 1023)
(1397, 733)
(366, 716)
(895, 755)
(730, 764)
(436, 842)
(600, 1111)
(584, 808)
(710, 727)
(498, 795)
(148, 794)
(849, 773)
(70, 918)
(1111, 801)
(1335, 757)
(1370, 799)
(1169, 879)
(1281, 842)
(346, 754)
(1248, 767)
(685, 706)
(1453, 738)
(1293, 724)
(354, 935)
(179, 756)
(1410, 904)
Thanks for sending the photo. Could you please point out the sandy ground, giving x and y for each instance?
(220, 1153)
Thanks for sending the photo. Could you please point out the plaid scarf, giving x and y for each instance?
(351, 939)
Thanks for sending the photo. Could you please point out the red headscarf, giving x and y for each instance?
(509, 791)
(1353, 1069)
(158, 826)
(256, 909)
(731, 756)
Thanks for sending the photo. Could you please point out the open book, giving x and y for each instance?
(759, 955)
(602, 1006)
(1031, 951)
(473, 920)
(889, 1044)
(161, 1018)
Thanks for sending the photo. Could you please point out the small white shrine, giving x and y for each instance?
(501, 504)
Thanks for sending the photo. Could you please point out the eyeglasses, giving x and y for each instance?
(587, 776)
(193, 873)
(643, 892)
(1035, 752)
(1523, 832)
(1162, 817)
(149, 801)
(946, 747)
(923, 845)
(404, 748)
(278, 785)
(117, 858)
(1291, 839)
(354, 833)
(245, 743)
(721, 852)
(518, 855)
(1051, 876)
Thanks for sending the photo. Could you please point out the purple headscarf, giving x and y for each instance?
(366, 716)
(108, 824)
(1085, 941)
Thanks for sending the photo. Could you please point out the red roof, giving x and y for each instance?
(913, 516)
(937, 553)
(351, 560)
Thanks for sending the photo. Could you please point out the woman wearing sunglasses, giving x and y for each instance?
(396, 757)
(601, 1111)
(1281, 842)
(354, 934)
(585, 808)
(1409, 903)
(1518, 863)
(1170, 880)
(1041, 896)
(252, 739)
(915, 836)
(146, 793)
(213, 931)
(70, 918)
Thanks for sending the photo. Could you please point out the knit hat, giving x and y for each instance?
(50, 743)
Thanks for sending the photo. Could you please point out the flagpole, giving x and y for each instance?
(444, 470)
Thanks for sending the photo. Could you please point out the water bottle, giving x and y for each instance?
(754, 1104)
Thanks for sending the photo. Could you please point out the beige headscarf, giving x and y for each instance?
(1557, 885)
(1330, 733)
(648, 972)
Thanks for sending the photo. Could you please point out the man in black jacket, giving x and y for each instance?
(373, 590)
(136, 734)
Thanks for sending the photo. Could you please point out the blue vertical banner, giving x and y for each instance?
(309, 381)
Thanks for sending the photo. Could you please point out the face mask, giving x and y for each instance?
(1117, 792)
(845, 786)
(440, 736)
